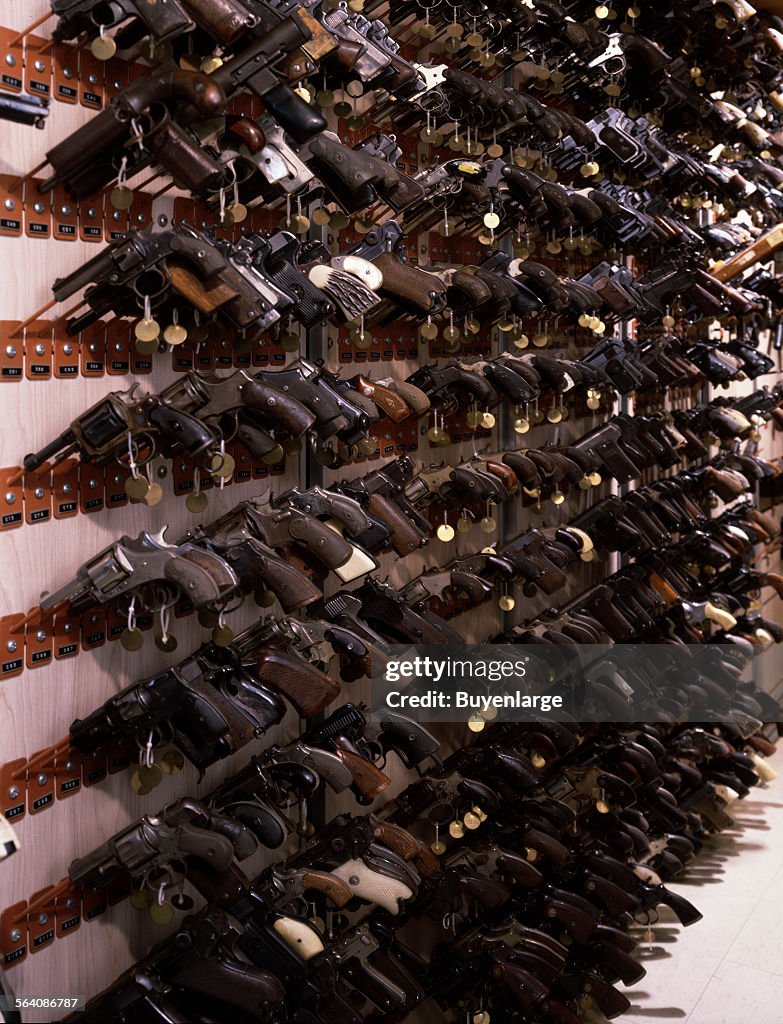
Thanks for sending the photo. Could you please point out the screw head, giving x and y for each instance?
(67, 73)
(68, 627)
(39, 207)
(9, 204)
(41, 780)
(70, 765)
(66, 210)
(13, 792)
(15, 935)
(10, 351)
(39, 65)
(40, 635)
(67, 488)
(92, 212)
(39, 492)
(11, 646)
(40, 350)
(68, 349)
(92, 347)
(43, 918)
(10, 60)
(10, 498)
(92, 78)
(92, 484)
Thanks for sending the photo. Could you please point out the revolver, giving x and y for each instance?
(134, 562)
(181, 830)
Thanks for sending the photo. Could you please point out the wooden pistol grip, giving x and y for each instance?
(760, 250)
(277, 407)
(320, 41)
(405, 538)
(774, 580)
(766, 522)
(307, 688)
(248, 132)
(412, 286)
(346, 54)
(477, 291)
(504, 473)
(550, 847)
(207, 296)
(322, 881)
(663, 589)
(223, 19)
(407, 846)
(426, 862)
(391, 404)
(368, 779)
(295, 66)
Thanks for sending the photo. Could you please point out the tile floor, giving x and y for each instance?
(728, 967)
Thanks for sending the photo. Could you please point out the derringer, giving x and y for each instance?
(131, 563)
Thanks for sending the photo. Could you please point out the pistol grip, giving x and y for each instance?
(372, 885)
(293, 114)
(369, 780)
(307, 688)
(410, 286)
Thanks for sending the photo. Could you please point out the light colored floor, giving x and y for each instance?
(727, 968)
